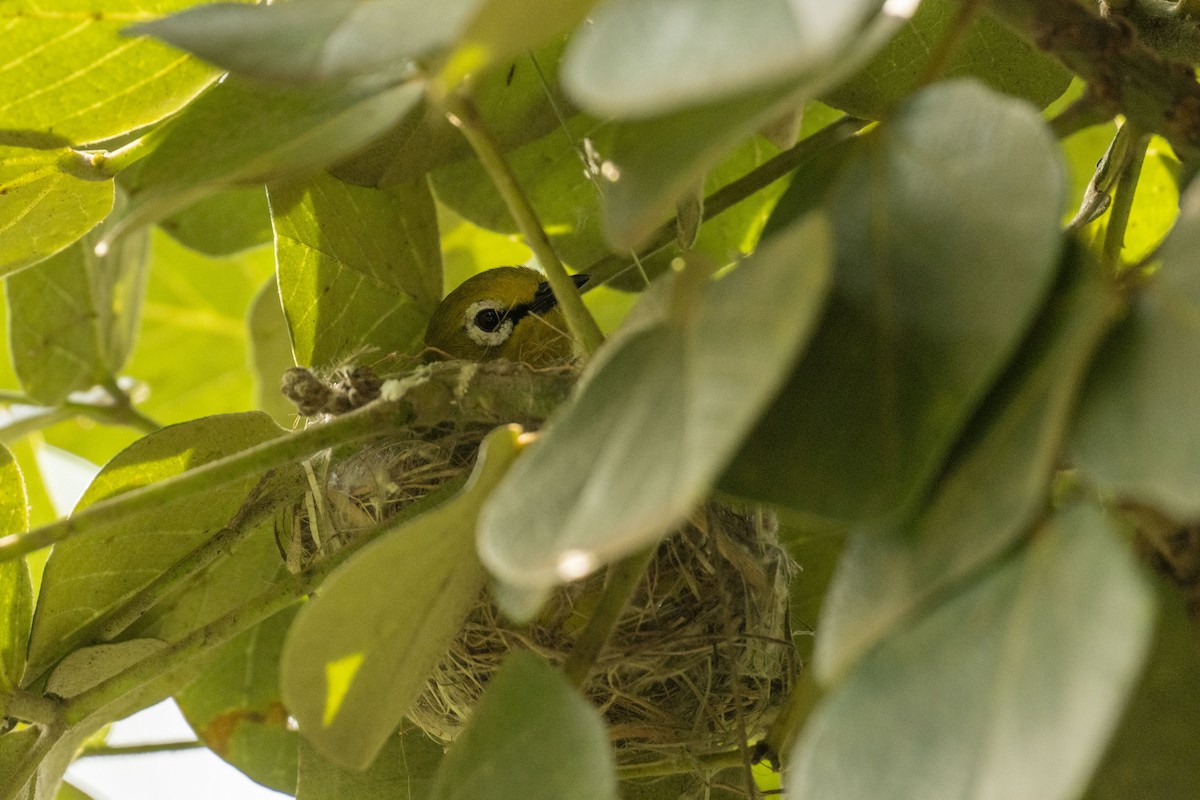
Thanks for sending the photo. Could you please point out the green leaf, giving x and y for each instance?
(403, 770)
(92, 573)
(1136, 434)
(44, 206)
(73, 318)
(662, 410)
(644, 57)
(533, 736)
(16, 591)
(499, 30)
(1011, 689)
(236, 709)
(357, 267)
(313, 40)
(241, 132)
(947, 233)
(990, 51)
(70, 77)
(90, 666)
(226, 223)
(15, 747)
(270, 353)
(362, 649)
(990, 492)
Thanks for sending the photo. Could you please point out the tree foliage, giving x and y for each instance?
(922, 278)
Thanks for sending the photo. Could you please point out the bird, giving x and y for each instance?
(503, 312)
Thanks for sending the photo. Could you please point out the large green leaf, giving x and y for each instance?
(1137, 434)
(989, 494)
(92, 573)
(73, 318)
(660, 414)
(270, 353)
(361, 651)
(532, 736)
(223, 224)
(1011, 689)
(403, 770)
(241, 132)
(44, 207)
(70, 77)
(357, 267)
(236, 709)
(313, 40)
(502, 29)
(16, 591)
(647, 57)
(947, 237)
(990, 51)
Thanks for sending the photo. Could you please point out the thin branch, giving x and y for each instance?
(1087, 110)
(30, 707)
(139, 749)
(1122, 205)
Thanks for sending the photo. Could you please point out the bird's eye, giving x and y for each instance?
(487, 320)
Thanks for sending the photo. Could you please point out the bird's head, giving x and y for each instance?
(506, 312)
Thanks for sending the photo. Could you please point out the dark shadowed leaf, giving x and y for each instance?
(403, 770)
(224, 224)
(1011, 689)
(946, 222)
(532, 736)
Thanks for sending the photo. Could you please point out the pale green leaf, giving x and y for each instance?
(69, 76)
(270, 353)
(1136, 433)
(357, 267)
(92, 573)
(313, 40)
(403, 770)
(241, 132)
(223, 224)
(235, 706)
(16, 591)
(946, 222)
(989, 494)
(499, 30)
(361, 651)
(532, 736)
(646, 57)
(89, 666)
(1011, 689)
(989, 51)
(43, 206)
(661, 412)
(73, 317)
(69, 791)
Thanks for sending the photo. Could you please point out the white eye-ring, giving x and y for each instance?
(487, 323)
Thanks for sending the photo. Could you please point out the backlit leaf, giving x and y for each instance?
(16, 591)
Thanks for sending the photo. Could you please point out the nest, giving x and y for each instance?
(699, 662)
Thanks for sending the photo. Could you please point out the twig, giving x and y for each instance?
(725, 759)
(1118, 218)
(1087, 110)
(139, 749)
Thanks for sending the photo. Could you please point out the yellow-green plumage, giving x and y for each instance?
(506, 312)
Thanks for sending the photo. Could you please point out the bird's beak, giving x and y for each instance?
(543, 298)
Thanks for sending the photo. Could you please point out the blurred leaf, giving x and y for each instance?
(236, 709)
(946, 247)
(44, 207)
(223, 224)
(1136, 432)
(270, 353)
(1154, 751)
(16, 591)
(14, 750)
(468, 249)
(403, 770)
(1011, 689)
(533, 736)
(407, 594)
(357, 267)
(73, 318)
(241, 132)
(817, 551)
(69, 791)
(1155, 205)
(499, 30)
(991, 491)
(990, 51)
(664, 406)
(92, 573)
(647, 57)
(70, 77)
(313, 40)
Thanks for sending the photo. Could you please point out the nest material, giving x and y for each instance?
(699, 662)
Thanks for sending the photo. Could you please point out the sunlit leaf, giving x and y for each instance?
(360, 652)
(70, 77)
(945, 248)
(44, 207)
(533, 736)
(270, 353)
(16, 591)
(1011, 689)
(357, 267)
(661, 412)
